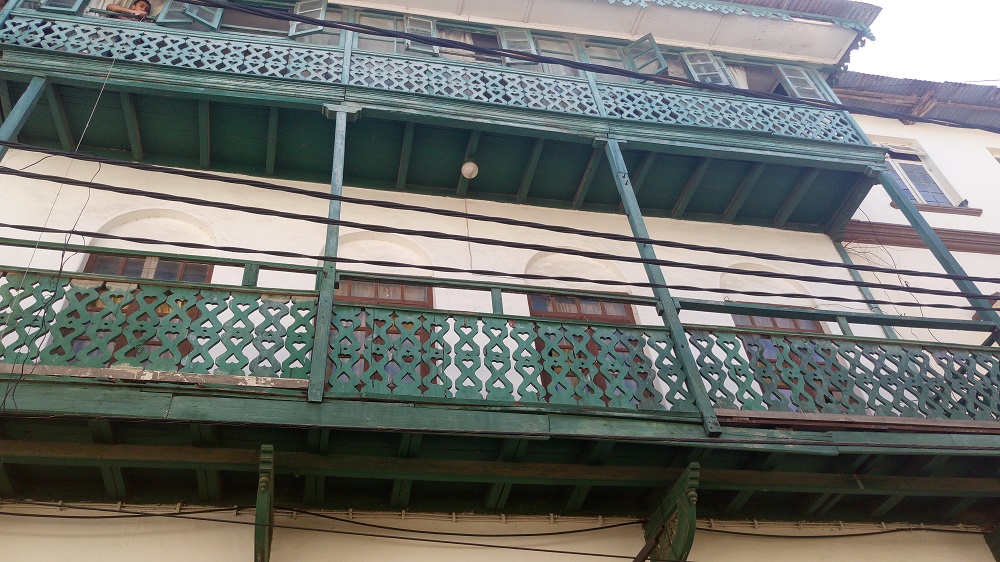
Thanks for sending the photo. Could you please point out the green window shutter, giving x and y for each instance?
(173, 12)
(517, 40)
(705, 67)
(315, 9)
(207, 15)
(64, 6)
(645, 56)
(798, 83)
(424, 27)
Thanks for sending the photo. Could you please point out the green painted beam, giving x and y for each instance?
(471, 148)
(318, 441)
(641, 173)
(19, 114)
(59, 119)
(271, 153)
(404, 155)
(766, 462)
(925, 468)
(837, 221)
(743, 192)
(114, 481)
(513, 450)
(409, 447)
(588, 175)
(263, 531)
(328, 276)
(6, 484)
(132, 126)
(845, 465)
(204, 134)
(596, 453)
(796, 197)
(959, 507)
(209, 485)
(666, 307)
(692, 185)
(529, 170)
(5, 102)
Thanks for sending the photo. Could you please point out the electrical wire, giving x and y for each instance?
(483, 272)
(588, 67)
(195, 174)
(261, 211)
(842, 536)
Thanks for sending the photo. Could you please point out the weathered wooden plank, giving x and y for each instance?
(404, 155)
(132, 126)
(529, 171)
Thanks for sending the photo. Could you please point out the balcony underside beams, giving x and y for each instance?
(59, 119)
(409, 447)
(132, 126)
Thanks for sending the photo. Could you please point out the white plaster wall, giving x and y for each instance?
(29, 539)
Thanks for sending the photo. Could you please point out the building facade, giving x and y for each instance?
(579, 269)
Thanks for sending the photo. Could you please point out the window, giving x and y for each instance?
(607, 55)
(424, 27)
(64, 6)
(322, 35)
(560, 48)
(573, 308)
(149, 268)
(478, 37)
(703, 66)
(798, 82)
(907, 165)
(381, 44)
(769, 350)
(383, 293)
(315, 9)
(645, 56)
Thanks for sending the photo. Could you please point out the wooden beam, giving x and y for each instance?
(204, 135)
(6, 483)
(762, 462)
(926, 468)
(840, 464)
(317, 441)
(19, 114)
(690, 187)
(272, 141)
(511, 451)
(596, 453)
(263, 530)
(132, 126)
(670, 529)
(409, 446)
(5, 100)
(209, 486)
(848, 207)
(59, 118)
(114, 481)
(471, 148)
(796, 196)
(588, 175)
(743, 191)
(404, 155)
(529, 170)
(641, 173)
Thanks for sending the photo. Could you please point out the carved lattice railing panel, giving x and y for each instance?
(835, 375)
(397, 353)
(89, 323)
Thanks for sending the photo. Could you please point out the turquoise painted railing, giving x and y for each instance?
(395, 353)
(260, 56)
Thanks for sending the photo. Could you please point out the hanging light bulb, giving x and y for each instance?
(470, 170)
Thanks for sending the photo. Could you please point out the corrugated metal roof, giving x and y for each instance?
(970, 103)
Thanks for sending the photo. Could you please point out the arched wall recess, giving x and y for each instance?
(560, 265)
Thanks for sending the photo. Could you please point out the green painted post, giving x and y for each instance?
(328, 277)
(21, 111)
(865, 291)
(665, 302)
(497, 296)
(899, 196)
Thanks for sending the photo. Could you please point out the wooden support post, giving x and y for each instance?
(114, 482)
(665, 302)
(588, 175)
(470, 156)
(897, 193)
(743, 192)
(132, 126)
(409, 446)
(251, 275)
(529, 170)
(59, 118)
(328, 277)
(865, 291)
(263, 530)
(795, 197)
(496, 295)
(319, 443)
(692, 185)
(209, 485)
(670, 530)
(596, 453)
(204, 135)
(19, 114)
(272, 141)
(404, 155)
(512, 451)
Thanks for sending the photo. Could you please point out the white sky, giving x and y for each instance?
(938, 40)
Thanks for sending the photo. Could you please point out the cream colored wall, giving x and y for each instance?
(29, 539)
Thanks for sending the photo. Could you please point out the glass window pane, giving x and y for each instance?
(133, 267)
(567, 305)
(167, 270)
(614, 309)
(108, 265)
(195, 272)
(414, 293)
(808, 326)
(925, 184)
(362, 289)
(390, 291)
(538, 303)
(590, 307)
(785, 323)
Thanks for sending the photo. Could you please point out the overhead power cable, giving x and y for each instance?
(259, 184)
(261, 211)
(481, 272)
(589, 67)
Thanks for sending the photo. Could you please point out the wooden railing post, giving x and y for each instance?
(665, 302)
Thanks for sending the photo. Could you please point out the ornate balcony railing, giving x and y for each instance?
(377, 352)
(491, 84)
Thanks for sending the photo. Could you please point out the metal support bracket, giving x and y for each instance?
(670, 530)
(263, 530)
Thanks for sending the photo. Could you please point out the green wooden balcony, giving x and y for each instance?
(84, 322)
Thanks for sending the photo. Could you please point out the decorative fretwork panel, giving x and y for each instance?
(835, 375)
(680, 107)
(155, 45)
(400, 353)
(473, 83)
(87, 323)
